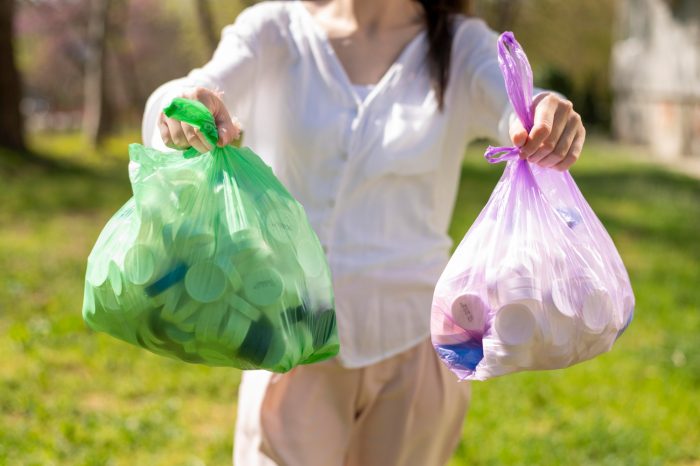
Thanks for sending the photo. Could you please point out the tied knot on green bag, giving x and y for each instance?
(196, 114)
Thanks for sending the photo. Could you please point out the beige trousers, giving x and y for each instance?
(407, 410)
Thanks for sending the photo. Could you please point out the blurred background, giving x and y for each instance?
(74, 77)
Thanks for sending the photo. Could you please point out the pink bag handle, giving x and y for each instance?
(517, 74)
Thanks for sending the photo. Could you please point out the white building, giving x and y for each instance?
(656, 76)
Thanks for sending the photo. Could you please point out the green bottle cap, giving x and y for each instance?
(282, 226)
(115, 278)
(263, 286)
(235, 330)
(98, 271)
(242, 306)
(205, 282)
(311, 257)
(139, 264)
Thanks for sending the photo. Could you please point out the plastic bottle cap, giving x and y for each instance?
(235, 330)
(561, 329)
(310, 257)
(518, 289)
(205, 282)
(263, 286)
(469, 311)
(562, 298)
(597, 311)
(515, 324)
(234, 278)
(209, 322)
(241, 305)
(139, 264)
(115, 278)
(282, 225)
(98, 272)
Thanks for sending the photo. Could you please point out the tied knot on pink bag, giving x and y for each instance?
(536, 283)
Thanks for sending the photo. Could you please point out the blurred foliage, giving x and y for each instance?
(153, 41)
(74, 397)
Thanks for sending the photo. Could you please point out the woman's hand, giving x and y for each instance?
(181, 136)
(557, 136)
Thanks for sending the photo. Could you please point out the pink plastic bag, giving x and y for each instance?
(536, 283)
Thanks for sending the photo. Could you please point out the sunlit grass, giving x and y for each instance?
(70, 396)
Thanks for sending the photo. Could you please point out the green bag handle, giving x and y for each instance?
(193, 113)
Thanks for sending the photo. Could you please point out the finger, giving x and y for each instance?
(574, 152)
(164, 131)
(544, 121)
(203, 139)
(229, 129)
(559, 127)
(518, 133)
(192, 138)
(562, 146)
(177, 136)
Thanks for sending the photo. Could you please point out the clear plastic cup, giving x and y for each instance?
(205, 282)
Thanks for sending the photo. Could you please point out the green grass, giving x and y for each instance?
(70, 396)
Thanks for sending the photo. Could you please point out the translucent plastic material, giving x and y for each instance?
(212, 261)
(536, 283)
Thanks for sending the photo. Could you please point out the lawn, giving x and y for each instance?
(70, 396)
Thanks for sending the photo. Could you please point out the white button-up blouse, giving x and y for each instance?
(377, 175)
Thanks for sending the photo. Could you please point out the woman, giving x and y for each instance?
(363, 109)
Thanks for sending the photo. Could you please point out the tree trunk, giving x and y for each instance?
(11, 123)
(206, 24)
(96, 117)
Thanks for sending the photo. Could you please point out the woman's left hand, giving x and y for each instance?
(556, 139)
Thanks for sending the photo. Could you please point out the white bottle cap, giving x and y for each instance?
(597, 311)
(517, 289)
(515, 324)
(469, 311)
(562, 297)
(205, 282)
(311, 258)
(98, 271)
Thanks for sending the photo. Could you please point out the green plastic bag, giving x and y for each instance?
(211, 261)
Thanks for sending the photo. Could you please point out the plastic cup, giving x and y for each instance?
(263, 286)
(205, 282)
(515, 324)
(469, 311)
(231, 272)
(140, 264)
(194, 241)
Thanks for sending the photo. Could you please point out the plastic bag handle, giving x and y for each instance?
(193, 113)
(517, 75)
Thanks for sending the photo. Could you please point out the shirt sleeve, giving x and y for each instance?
(231, 70)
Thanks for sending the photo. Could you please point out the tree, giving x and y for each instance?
(96, 115)
(11, 123)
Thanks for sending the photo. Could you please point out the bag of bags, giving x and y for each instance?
(536, 283)
(212, 261)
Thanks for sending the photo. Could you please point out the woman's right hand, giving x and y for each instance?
(181, 136)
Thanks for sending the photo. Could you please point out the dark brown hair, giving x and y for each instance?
(438, 18)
